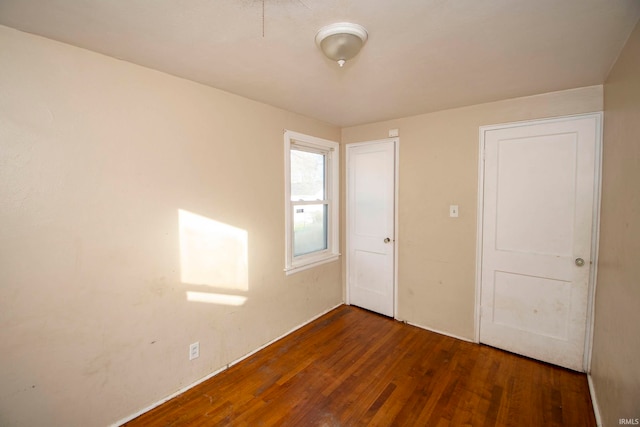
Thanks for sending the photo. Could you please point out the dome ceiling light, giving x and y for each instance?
(342, 41)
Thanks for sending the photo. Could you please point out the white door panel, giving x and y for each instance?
(371, 225)
(539, 186)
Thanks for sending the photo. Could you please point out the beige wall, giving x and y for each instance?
(438, 168)
(616, 349)
(96, 158)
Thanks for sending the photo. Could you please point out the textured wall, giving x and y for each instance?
(98, 158)
(616, 347)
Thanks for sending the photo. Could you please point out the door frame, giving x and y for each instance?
(595, 230)
(396, 141)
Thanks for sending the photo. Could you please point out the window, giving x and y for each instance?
(311, 201)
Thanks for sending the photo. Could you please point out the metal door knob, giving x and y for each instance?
(387, 240)
(579, 262)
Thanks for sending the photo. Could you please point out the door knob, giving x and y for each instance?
(387, 240)
(579, 262)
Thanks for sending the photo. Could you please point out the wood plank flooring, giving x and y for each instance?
(352, 367)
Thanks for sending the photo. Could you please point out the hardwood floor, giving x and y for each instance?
(353, 367)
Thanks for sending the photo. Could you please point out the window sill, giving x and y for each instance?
(310, 264)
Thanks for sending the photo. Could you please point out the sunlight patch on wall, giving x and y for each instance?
(212, 298)
(212, 253)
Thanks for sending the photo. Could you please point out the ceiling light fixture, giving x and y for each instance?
(342, 41)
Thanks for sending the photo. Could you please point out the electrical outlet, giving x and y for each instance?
(194, 350)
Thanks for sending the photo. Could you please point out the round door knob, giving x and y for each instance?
(579, 262)
(387, 240)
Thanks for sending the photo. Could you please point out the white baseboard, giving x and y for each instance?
(166, 399)
(283, 335)
(439, 332)
(594, 401)
(213, 374)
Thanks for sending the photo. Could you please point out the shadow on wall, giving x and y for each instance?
(213, 260)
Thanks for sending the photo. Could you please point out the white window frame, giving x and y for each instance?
(331, 149)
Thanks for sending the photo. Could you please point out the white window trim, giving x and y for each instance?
(295, 264)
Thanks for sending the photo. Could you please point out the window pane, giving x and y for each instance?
(309, 229)
(307, 176)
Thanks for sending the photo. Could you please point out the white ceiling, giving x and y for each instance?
(421, 56)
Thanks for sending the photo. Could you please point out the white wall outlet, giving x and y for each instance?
(453, 211)
(393, 133)
(194, 350)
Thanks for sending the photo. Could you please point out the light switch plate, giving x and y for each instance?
(453, 211)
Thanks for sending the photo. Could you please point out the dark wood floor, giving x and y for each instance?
(353, 367)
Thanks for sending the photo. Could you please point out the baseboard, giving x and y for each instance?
(439, 332)
(213, 374)
(282, 336)
(166, 399)
(594, 401)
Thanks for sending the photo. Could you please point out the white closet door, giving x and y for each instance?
(371, 225)
(539, 186)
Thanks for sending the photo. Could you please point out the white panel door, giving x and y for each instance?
(371, 225)
(539, 187)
